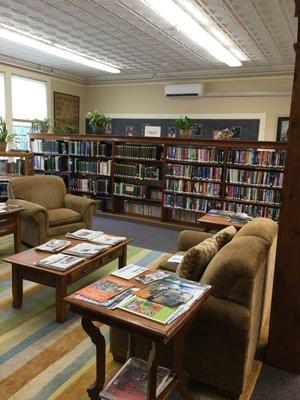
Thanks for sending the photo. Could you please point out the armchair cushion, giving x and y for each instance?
(63, 216)
(197, 258)
(83, 205)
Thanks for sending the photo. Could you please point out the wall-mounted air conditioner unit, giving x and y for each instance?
(184, 90)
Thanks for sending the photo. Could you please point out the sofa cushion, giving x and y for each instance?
(225, 235)
(263, 228)
(63, 216)
(197, 258)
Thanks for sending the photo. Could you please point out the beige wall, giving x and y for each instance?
(232, 98)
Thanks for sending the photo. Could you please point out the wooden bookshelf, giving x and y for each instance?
(140, 156)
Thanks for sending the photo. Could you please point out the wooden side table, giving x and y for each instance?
(10, 224)
(209, 222)
(159, 334)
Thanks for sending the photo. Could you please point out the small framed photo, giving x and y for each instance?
(197, 130)
(171, 132)
(129, 130)
(108, 129)
(152, 131)
(282, 129)
(236, 130)
(216, 134)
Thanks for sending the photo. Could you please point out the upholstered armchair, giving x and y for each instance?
(48, 210)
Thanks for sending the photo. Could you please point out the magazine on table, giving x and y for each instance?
(84, 234)
(148, 309)
(59, 261)
(131, 382)
(86, 250)
(105, 289)
(53, 245)
(176, 259)
(111, 303)
(108, 239)
(129, 271)
(152, 277)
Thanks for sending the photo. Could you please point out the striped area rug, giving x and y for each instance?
(43, 360)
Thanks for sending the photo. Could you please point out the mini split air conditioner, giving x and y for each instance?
(184, 90)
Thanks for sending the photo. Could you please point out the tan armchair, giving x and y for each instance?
(48, 210)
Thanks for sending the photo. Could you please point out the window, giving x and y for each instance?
(29, 101)
(2, 96)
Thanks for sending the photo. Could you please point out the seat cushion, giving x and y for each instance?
(63, 216)
(171, 266)
(225, 235)
(197, 258)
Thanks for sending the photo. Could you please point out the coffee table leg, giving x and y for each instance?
(99, 341)
(123, 258)
(17, 286)
(61, 306)
(178, 354)
(153, 362)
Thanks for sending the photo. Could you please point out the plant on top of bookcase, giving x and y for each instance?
(65, 129)
(185, 125)
(40, 125)
(5, 136)
(98, 121)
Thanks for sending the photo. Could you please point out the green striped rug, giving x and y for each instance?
(41, 359)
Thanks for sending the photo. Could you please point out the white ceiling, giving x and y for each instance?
(129, 35)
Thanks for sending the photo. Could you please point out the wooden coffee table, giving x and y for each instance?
(159, 334)
(10, 224)
(23, 267)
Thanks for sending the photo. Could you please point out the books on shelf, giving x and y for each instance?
(254, 210)
(84, 234)
(190, 203)
(143, 152)
(131, 382)
(53, 245)
(90, 167)
(92, 185)
(200, 172)
(138, 171)
(195, 154)
(60, 262)
(129, 271)
(152, 277)
(192, 187)
(253, 194)
(131, 190)
(105, 289)
(256, 157)
(90, 148)
(86, 250)
(148, 210)
(252, 177)
(8, 167)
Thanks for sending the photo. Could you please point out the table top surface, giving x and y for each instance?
(29, 257)
(218, 220)
(132, 322)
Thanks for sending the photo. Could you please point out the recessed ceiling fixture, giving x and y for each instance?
(183, 22)
(55, 50)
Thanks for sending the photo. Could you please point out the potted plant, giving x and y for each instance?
(98, 121)
(5, 137)
(65, 129)
(40, 125)
(185, 126)
(225, 134)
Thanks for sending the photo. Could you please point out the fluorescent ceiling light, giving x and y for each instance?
(183, 22)
(54, 50)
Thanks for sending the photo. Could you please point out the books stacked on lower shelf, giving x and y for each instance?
(131, 381)
(86, 250)
(60, 262)
(53, 245)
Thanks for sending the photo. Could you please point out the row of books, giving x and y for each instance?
(94, 186)
(253, 194)
(49, 146)
(204, 188)
(148, 210)
(195, 154)
(254, 210)
(190, 203)
(12, 167)
(140, 171)
(131, 189)
(90, 148)
(92, 167)
(194, 171)
(264, 178)
(51, 163)
(182, 215)
(264, 158)
(138, 151)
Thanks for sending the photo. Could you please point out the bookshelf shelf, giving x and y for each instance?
(158, 157)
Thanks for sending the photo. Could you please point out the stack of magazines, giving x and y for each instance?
(54, 245)
(131, 381)
(86, 250)
(59, 261)
(96, 237)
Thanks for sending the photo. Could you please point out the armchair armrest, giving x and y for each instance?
(188, 239)
(32, 211)
(86, 207)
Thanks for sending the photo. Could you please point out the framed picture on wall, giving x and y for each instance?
(66, 109)
(282, 129)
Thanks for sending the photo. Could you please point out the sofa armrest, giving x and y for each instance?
(188, 239)
(85, 206)
(32, 211)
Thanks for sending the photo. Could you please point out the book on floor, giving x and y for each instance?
(152, 277)
(84, 234)
(129, 271)
(59, 261)
(148, 309)
(108, 239)
(86, 250)
(105, 288)
(131, 381)
(53, 245)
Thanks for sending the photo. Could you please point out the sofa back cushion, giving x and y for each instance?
(225, 235)
(233, 269)
(197, 258)
(263, 228)
(47, 191)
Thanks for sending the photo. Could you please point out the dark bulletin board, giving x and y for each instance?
(245, 129)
